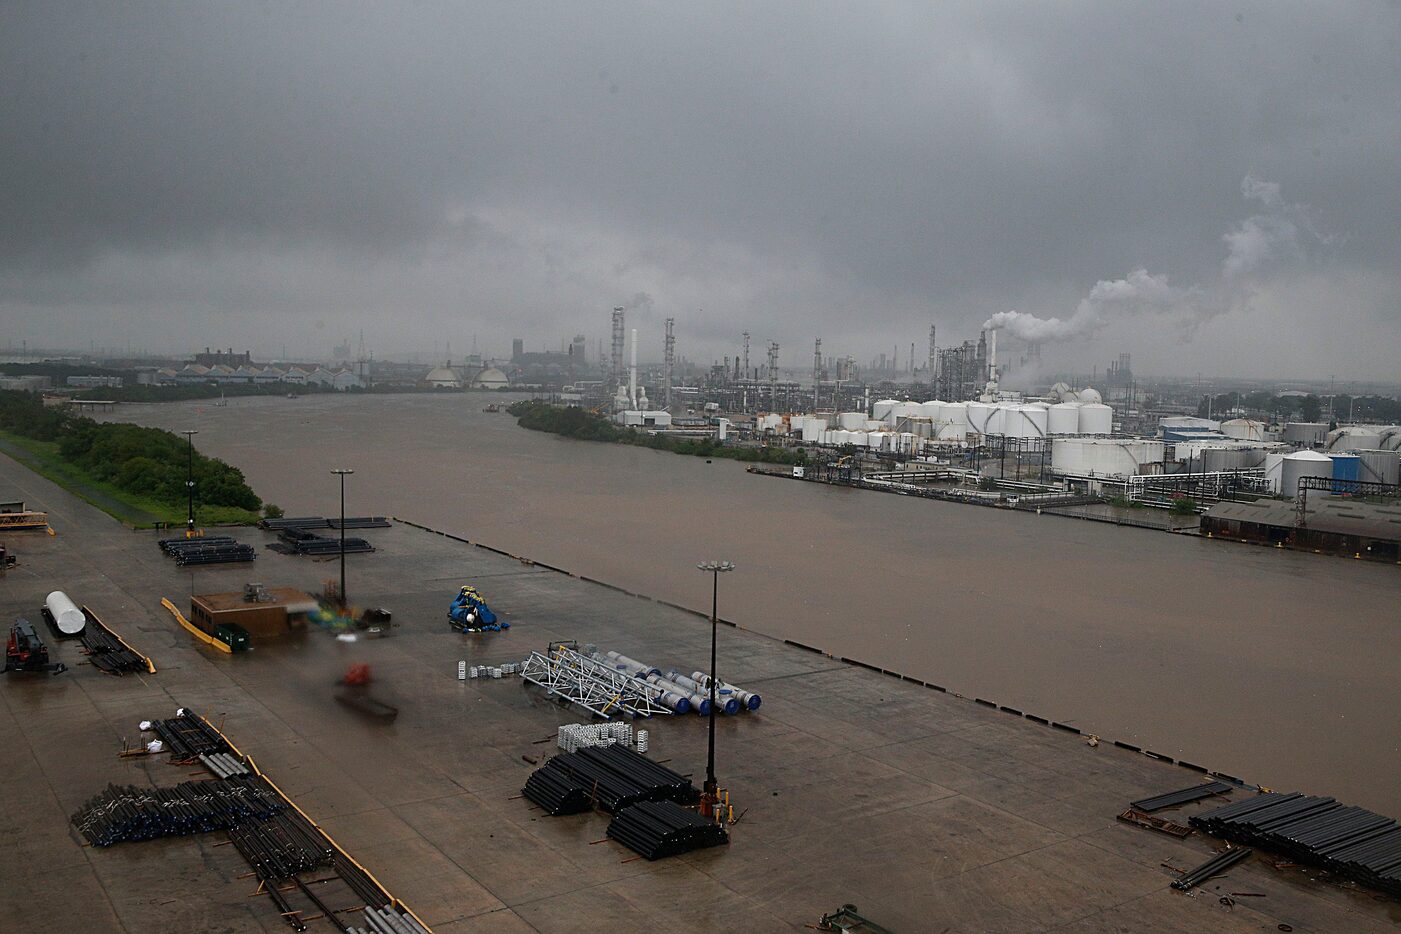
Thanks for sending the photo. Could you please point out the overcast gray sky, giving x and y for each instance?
(261, 174)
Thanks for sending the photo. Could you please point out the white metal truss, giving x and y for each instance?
(597, 688)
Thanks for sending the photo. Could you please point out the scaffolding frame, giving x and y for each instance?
(591, 685)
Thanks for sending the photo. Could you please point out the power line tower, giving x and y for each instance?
(615, 376)
(773, 375)
(816, 372)
(746, 355)
(670, 358)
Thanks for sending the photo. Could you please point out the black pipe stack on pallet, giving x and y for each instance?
(615, 776)
(212, 549)
(300, 541)
(107, 653)
(188, 737)
(655, 829)
(1350, 841)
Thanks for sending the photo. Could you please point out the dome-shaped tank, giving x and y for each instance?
(1302, 464)
(1063, 418)
(883, 408)
(1096, 418)
(1089, 394)
(1244, 428)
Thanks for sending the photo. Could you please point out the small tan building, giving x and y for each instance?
(264, 612)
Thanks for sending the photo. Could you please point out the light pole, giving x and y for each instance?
(342, 471)
(190, 479)
(711, 789)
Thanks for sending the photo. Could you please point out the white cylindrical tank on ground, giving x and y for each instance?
(1231, 458)
(1302, 464)
(1096, 418)
(1063, 418)
(1355, 438)
(933, 409)
(955, 417)
(1027, 421)
(1244, 429)
(65, 613)
(978, 415)
(873, 424)
(1391, 439)
(906, 410)
(851, 420)
(1307, 434)
(924, 427)
(997, 420)
(1104, 456)
(1379, 466)
(1274, 464)
(883, 408)
(858, 438)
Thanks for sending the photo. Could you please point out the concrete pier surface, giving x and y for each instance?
(926, 810)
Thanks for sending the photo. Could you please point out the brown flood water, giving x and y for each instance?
(1277, 667)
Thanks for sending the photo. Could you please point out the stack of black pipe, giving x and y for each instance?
(617, 777)
(281, 846)
(303, 542)
(359, 522)
(556, 790)
(655, 829)
(360, 882)
(1351, 841)
(212, 549)
(187, 736)
(126, 813)
(107, 653)
(293, 522)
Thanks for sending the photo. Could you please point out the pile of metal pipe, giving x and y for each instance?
(1212, 867)
(212, 549)
(188, 737)
(388, 920)
(725, 699)
(359, 881)
(655, 829)
(1350, 841)
(556, 791)
(123, 814)
(223, 765)
(695, 700)
(599, 687)
(281, 846)
(107, 653)
(616, 777)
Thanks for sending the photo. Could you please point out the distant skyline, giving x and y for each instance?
(1211, 188)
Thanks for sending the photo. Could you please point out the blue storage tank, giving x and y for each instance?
(1346, 467)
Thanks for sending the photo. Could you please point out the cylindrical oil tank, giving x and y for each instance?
(883, 408)
(1274, 468)
(1379, 466)
(65, 613)
(874, 425)
(906, 410)
(1391, 439)
(956, 416)
(1104, 456)
(1096, 418)
(1063, 418)
(1243, 429)
(924, 427)
(978, 415)
(1028, 421)
(851, 420)
(1306, 434)
(933, 409)
(1302, 464)
(1213, 459)
(1355, 438)
(858, 438)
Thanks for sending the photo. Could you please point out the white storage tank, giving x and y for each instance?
(1391, 438)
(1101, 457)
(1089, 395)
(933, 410)
(851, 420)
(1231, 458)
(66, 616)
(1027, 421)
(955, 417)
(881, 410)
(906, 410)
(1274, 466)
(1355, 438)
(1302, 464)
(1243, 429)
(1379, 466)
(978, 415)
(1063, 418)
(1306, 434)
(874, 424)
(857, 438)
(1096, 418)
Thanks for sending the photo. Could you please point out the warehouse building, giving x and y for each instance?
(1333, 524)
(263, 612)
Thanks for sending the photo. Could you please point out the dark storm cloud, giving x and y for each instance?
(430, 171)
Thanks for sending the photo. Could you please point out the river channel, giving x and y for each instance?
(1274, 666)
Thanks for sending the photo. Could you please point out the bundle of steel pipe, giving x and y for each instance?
(617, 777)
(281, 846)
(556, 790)
(173, 545)
(655, 829)
(127, 813)
(213, 549)
(107, 653)
(359, 881)
(388, 921)
(1350, 841)
(187, 736)
(1212, 867)
(223, 765)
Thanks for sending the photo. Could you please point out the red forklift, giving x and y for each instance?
(26, 651)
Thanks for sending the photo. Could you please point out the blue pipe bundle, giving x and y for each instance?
(655, 829)
(1350, 841)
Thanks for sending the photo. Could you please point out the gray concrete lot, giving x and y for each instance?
(929, 812)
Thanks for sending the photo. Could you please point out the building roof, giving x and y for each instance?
(1333, 514)
(290, 598)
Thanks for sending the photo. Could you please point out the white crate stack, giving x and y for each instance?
(576, 736)
(488, 671)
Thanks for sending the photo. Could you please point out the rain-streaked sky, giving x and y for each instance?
(1213, 187)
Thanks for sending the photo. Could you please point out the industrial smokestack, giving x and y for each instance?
(992, 356)
(632, 372)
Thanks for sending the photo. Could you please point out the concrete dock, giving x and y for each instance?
(927, 811)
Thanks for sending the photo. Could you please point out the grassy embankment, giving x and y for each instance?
(135, 474)
(571, 422)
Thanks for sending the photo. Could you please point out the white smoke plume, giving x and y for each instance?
(1276, 235)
